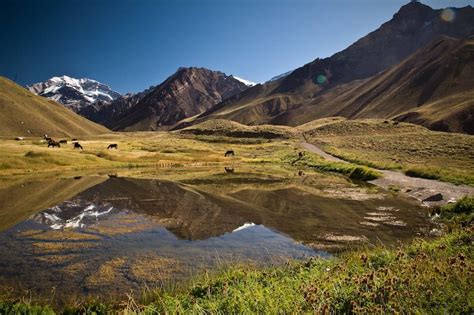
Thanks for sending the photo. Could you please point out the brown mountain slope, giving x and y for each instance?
(23, 113)
(434, 87)
(413, 27)
(188, 92)
(107, 113)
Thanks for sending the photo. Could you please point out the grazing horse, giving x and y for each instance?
(229, 169)
(77, 146)
(230, 152)
(63, 141)
(112, 146)
(53, 144)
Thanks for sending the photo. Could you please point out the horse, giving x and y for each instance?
(53, 144)
(300, 154)
(229, 169)
(63, 141)
(77, 146)
(112, 146)
(229, 152)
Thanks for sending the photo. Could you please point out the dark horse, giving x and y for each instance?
(230, 152)
(112, 146)
(63, 141)
(52, 143)
(77, 146)
(229, 169)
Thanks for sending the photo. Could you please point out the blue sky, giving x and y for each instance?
(132, 44)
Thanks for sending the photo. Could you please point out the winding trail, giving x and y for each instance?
(418, 188)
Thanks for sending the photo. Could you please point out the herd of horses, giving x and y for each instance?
(76, 145)
(53, 143)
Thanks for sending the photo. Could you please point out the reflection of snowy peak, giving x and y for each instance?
(70, 214)
(74, 93)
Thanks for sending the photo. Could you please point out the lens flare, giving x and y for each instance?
(321, 79)
(448, 15)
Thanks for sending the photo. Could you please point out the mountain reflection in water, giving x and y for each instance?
(125, 232)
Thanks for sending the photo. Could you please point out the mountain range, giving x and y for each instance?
(416, 67)
(314, 90)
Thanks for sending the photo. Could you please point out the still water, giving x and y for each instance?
(100, 235)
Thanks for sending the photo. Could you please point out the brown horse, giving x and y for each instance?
(112, 146)
(229, 153)
(77, 146)
(53, 144)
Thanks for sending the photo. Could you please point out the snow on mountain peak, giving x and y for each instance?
(246, 82)
(74, 93)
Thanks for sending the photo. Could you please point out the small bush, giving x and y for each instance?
(423, 173)
(460, 212)
(350, 170)
(33, 154)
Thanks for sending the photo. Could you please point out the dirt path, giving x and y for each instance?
(418, 188)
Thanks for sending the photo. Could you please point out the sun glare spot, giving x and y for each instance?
(448, 15)
(321, 79)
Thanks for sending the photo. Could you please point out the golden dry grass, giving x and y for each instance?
(390, 145)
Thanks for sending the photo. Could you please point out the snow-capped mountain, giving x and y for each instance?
(74, 93)
(246, 82)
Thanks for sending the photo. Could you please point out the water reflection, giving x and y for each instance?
(117, 232)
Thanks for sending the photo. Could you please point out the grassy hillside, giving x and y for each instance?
(389, 144)
(24, 114)
(228, 128)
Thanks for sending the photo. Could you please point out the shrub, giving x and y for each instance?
(33, 154)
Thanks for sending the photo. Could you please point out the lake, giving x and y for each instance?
(99, 235)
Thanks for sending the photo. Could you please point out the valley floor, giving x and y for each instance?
(423, 276)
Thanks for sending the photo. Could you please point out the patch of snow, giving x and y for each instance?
(246, 82)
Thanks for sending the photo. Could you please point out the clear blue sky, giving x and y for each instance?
(132, 44)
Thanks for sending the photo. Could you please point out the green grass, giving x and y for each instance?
(314, 161)
(462, 212)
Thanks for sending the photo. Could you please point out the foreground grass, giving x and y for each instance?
(388, 145)
(423, 277)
